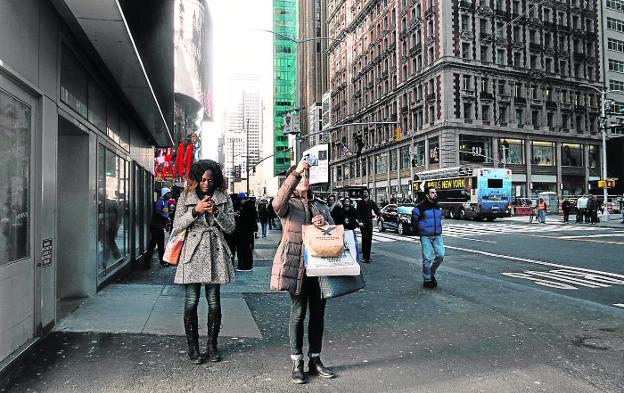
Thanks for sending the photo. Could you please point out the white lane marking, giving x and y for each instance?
(619, 305)
(616, 234)
(534, 261)
(467, 238)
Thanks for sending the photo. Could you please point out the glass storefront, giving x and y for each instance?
(434, 150)
(393, 159)
(419, 153)
(573, 185)
(113, 212)
(15, 125)
(474, 148)
(511, 151)
(571, 155)
(543, 154)
(405, 158)
(594, 157)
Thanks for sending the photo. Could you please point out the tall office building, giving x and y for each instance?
(285, 75)
(244, 115)
(489, 82)
(613, 65)
(313, 64)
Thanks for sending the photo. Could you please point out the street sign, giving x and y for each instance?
(291, 123)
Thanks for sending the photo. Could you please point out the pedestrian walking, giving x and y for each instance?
(336, 210)
(428, 218)
(160, 218)
(272, 215)
(351, 221)
(566, 206)
(206, 212)
(541, 210)
(247, 225)
(622, 208)
(592, 210)
(296, 207)
(263, 218)
(365, 209)
(581, 207)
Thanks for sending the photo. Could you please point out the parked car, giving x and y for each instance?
(397, 217)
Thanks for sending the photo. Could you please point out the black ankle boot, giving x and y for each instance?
(316, 367)
(192, 339)
(298, 376)
(212, 350)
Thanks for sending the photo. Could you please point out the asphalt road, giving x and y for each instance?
(519, 308)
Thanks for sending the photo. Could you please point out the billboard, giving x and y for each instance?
(319, 173)
(192, 47)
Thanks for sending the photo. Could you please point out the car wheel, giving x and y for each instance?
(461, 213)
(401, 229)
(380, 226)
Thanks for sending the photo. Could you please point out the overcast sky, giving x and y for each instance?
(237, 49)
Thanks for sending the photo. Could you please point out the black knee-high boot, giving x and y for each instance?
(192, 338)
(214, 326)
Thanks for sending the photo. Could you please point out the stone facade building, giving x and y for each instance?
(481, 82)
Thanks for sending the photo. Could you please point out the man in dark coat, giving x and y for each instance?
(272, 215)
(365, 209)
(566, 206)
(158, 223)
(263, 217)
(350, 218)
(247, 226)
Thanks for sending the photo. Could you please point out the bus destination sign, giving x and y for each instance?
(456, 183)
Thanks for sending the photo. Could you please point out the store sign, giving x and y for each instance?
(46, 253)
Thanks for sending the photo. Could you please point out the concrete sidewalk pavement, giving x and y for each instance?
(147, 302)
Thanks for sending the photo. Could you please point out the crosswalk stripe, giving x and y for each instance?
(619, 305)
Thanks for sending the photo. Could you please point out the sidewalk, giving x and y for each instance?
(147, 301)
(614, 221)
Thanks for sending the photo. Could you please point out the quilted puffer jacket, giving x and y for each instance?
(429, 218)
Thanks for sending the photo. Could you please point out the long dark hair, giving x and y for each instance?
(197, 171)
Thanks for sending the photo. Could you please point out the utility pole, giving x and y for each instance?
(603, 123)
(247, 158)
(233, 174)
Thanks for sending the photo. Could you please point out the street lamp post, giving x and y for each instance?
(298, 74)
(603, 129)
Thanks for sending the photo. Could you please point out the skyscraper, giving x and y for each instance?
(285, 74)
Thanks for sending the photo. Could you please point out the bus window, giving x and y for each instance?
(495, 183)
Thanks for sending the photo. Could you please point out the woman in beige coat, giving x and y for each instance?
(295, 207)
(206, 212)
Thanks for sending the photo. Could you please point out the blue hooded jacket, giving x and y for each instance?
(428, 217)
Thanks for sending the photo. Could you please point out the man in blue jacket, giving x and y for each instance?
(428, 217)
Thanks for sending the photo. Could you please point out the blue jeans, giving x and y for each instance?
(433, 255)
(542, 215)
(264, 228)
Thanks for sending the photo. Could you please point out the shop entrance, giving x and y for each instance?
(76, 228)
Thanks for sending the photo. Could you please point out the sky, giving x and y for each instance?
(238, 48)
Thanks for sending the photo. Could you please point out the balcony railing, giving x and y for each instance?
(535, 47)
(520, 100)
(486, 95)
(551, 104)
(431, 96)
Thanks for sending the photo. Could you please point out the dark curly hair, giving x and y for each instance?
(197, 171)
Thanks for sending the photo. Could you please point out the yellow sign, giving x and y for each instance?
(397, 134)
(456, 183)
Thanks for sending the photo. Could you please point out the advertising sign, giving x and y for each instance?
(319, 173)
(291, 123)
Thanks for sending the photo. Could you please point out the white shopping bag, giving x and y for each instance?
(343, 265)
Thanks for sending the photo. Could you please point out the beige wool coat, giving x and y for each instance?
(205, 257)
(288, 267)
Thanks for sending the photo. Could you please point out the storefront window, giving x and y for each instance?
(393, 159)
(594, 157)
(434, 150)
(381, 166)
(15, 122)
(475, 148)
(571, 155)
(97, 106)
(405, 158)
(419, 153)
(543, 153)
(113, 210)
(511, 151)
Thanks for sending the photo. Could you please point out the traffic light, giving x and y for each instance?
(397, 134)
(610, 183)
(601, 184)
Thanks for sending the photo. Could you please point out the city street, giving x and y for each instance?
(519, 307)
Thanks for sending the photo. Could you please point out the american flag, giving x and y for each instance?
(345, 151)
